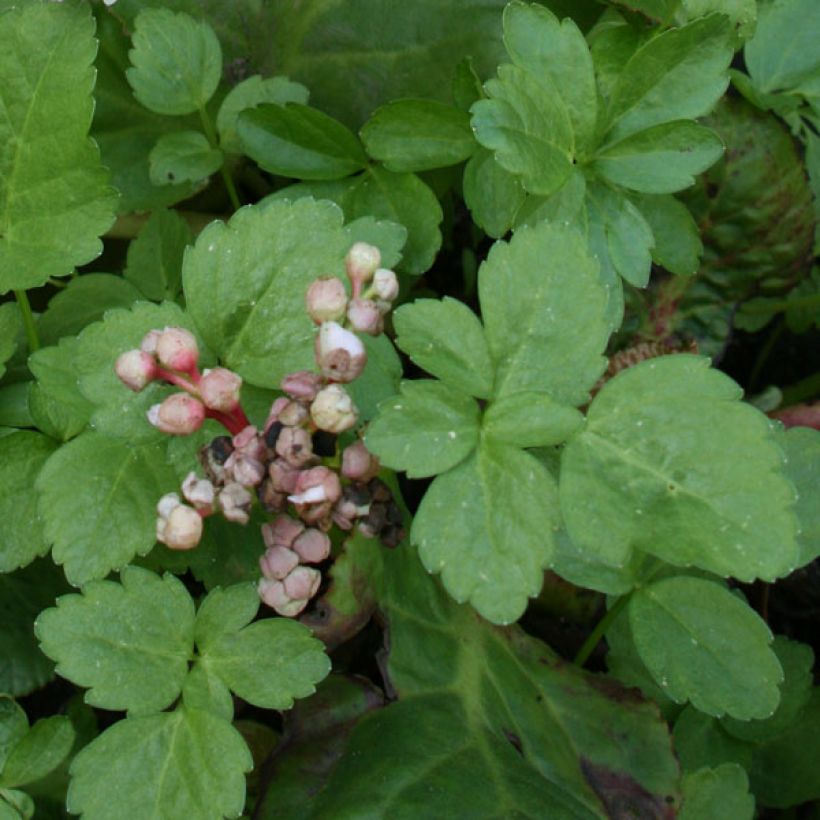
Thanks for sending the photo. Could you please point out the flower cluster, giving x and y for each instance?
(290, 466)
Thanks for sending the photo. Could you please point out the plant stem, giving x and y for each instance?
(210, 133)
(600, 629)
(28, 320)
(765, 351)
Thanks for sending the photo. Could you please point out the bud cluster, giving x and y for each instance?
(290, 465)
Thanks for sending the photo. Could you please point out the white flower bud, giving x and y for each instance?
(333, 409)
(278, 562)
(135, 369)
(177, 349)
(274, 595)
(312, 546)
(183, 528)
(235, 502)
(198, 491)
(364, 316)
(385, 284)
(219, 389)
(149, 341)
(167, 503)
(293, 414)
(179, 415)
(326, 299)
(340, 354)
(303, 583)
(361, 263)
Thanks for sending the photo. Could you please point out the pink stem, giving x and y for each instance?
(229, 421)
(175, 379)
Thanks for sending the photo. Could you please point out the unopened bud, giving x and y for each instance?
(282, 531)
(361, 263)
(364, 316)
(166, 504)
(303, 583)
(177, 349)
(295, 446)
(248, 443)
(135, 369)
(293, 414)
(358, 463)
(340, 353)
(274, 595)
(149, 341)
(198, 491)
(183, 528)
(312, 546)
(277, 563)
(333, 409)
(245, 470)
(219, 389)
(302, 384)
(315, 486)
(283, 475)
(179, 415)
(326, 299)
(385, 284)
(235, 503)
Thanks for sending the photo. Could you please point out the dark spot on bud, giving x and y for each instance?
(272, 434)
(393, 513)
(376, 519)
(379, 490)
(392, 536)
(269, 498)
(221, 448)
(324, 443)
(358, 494)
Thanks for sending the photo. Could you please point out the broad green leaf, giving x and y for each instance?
(530, 419)
(418, 135)
(39, 752)
(660, 160)
(84, 301)
(224, 611)
(467, 86)
(183, 156)
(10, 327)
(298, 141)
(15, 805)
(741, 13)
(537, 42)
(21, 458)
(54, 198)
(380, 379)
(426, 429)
(186, 763)
(680, 74)
(487, 528)
(176, 62)
(492, 194)
(245, 284)
(249, 93)
(13, 727)
(154, 261)
(565, 205)
(525, 123)
(202, 690)
(703, 644)
(14, 410)
(802, 448)
(137, 656)
(389, 237)
(97, 499)
(657, 468)
(446, 339)
(658, 11)
(599, 229)
(677, 241)
(716, 794)
(543, 309)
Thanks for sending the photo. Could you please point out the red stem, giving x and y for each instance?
(175, 379)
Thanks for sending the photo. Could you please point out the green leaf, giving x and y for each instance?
(389, 237)
(245, 284)
(677, 240)
(54, 198)
(224, 611)
(184, 763)
(657, 468)
(97, 499)
(543, 309)
(249, 93)
(427, 429)
(660, 160)
(298, 141)
(418, 135)
(446, 339)
(680, 74)
(14, 410)
(37, 754)
(705, 645)
(203, 690)
(176, 62)
(492, 194)
(530, 420)
(565, 205)
(13, 727)
(526, 124)
(15, 805)
(154, 261)
(537, 42)
(11, 324)
(381, 377)
(136, 657)
(83, 301)
(487, 528)
(802, 448)
(658, 11)
(183, 156)
(22, 456)
(714, 794)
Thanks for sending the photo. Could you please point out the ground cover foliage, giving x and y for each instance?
(568, 250)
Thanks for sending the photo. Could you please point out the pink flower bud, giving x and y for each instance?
(315, 486)
(295, 446)
(249, 443)
(219, 389)
(302, 384)
(183, 529)
(333, 409)
(326, 299)
(149, 342)
(283, 475)
(361, 263)
(364, 316)
(235, 503)
(177, 349)
(179, 415)
(293, 414)
(198, 491)
(276, 408)
(135, 369)
(358, 463)
(312, 546)
(273, 594)
(385, 284)
(340, 354)
(245, 470)
(303, 583)
(282, 531)
(277, 562)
